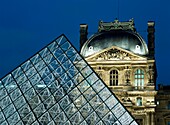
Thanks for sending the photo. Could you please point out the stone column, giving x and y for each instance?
(152, 119)
(147, 120)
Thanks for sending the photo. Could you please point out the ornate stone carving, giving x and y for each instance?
(116, 25)
(127, 75)
(113, 54)
(126, 99)
(150, 74)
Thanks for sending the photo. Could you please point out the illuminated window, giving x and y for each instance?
(113, 78)
(139, 101)
(139, 79)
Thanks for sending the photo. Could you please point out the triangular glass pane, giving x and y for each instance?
(57, 86)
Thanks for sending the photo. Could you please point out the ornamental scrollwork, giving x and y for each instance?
(127, 76)
(114, 54)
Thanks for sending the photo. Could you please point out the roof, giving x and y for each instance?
(125, 39)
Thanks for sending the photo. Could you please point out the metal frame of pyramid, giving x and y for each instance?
(57, 87)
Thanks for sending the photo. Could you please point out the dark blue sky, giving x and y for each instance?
(28, 25)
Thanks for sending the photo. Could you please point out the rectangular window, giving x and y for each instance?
(139, 79)
(114, 78)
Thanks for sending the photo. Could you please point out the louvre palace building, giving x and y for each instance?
(110, 81)
(126, 64)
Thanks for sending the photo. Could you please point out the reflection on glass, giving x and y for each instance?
(56, 86)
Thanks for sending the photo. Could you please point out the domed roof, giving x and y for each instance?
(128, 40)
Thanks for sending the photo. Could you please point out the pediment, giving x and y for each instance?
(115, 53)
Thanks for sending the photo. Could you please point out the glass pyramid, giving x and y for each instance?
(57, 87)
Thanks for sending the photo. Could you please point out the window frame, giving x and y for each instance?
(139, 101)
(114, 77)
(139, 78)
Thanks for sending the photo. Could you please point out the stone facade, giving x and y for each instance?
(129, 75)
(126, 90)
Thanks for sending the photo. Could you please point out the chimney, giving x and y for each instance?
(83, 34)
(151, 39)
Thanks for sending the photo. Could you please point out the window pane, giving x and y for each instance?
(113, 78)
(139, 78)
(139, 101)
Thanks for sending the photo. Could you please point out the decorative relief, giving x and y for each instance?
(150, 74)
(116, 25)
(115, 54)
(126, 99)
(127, 75)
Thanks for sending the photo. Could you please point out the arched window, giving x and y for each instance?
(139, 79)
(139, 101)
(113, 78)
